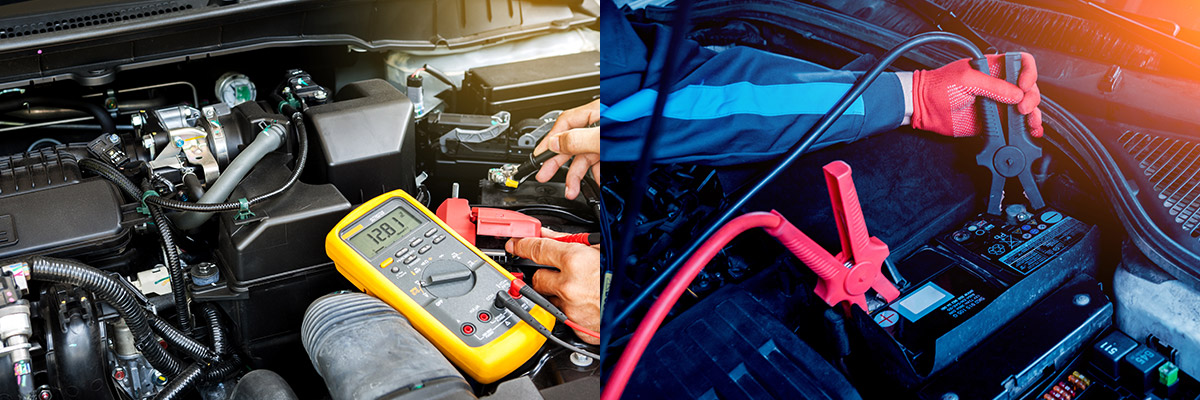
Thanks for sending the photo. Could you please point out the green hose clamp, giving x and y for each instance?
(144, 209)
(244, 212)
(290, 101)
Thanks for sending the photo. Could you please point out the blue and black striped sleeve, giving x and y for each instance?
(737, 106)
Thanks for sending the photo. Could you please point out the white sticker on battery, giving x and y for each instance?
(921, 301)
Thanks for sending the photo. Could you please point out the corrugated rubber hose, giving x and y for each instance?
(182, 341)
(108, 289)
(181, 383)
(183, 315)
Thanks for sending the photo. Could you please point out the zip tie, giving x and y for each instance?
(244, 212)
(144, 209)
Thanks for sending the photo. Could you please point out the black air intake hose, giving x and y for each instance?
(262, 384)
(111, 291)
(364, 349)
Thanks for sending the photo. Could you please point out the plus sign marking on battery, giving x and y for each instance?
(887, 318)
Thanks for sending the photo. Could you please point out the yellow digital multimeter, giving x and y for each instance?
(394, 248)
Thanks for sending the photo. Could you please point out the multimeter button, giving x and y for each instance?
(410, 259)
(402, 252)
(386, 262)
(484, 316)
(468, 329)
(395, 269)
(439, 239)
(416, 242)
(424, 249)
(431, 232)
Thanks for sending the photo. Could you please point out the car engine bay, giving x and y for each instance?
(1025, 300)
(163, 224)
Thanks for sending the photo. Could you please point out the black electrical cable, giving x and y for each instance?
(541, 301)
(172, 204)
(216, 331)
(107, 125)
(112, 292)
(507, 302)
(441, 76)
(174, 267)
(182, 341)
(223, 369)
(109, 172)
(552, 210)
(815, 133)
(641, 172)
(180, 383)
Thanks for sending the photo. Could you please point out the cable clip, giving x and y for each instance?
(144, 209)
(243, 212)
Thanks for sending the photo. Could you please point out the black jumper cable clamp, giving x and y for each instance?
(1011, 158)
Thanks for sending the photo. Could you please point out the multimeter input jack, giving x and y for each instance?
(506, 301)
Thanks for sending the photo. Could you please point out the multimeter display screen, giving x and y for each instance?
(381, 234)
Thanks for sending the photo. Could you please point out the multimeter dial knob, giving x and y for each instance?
(446, 278)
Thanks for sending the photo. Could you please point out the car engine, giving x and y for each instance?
(163, 227)
(909, 265)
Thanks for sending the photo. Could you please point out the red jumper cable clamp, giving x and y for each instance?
(472, 221)
(848, 275)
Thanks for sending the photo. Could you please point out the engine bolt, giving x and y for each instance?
(580, 360)
(119, 374)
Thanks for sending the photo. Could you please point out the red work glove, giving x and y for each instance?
(944, 99)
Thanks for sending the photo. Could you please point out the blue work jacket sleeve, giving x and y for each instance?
(731, 107)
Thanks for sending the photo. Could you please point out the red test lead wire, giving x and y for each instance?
(581, 238)
(518, 288)
(580, 328)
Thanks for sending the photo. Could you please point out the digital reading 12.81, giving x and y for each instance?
(383, 232)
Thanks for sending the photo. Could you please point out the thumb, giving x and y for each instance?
(550, 233)
(577, 141)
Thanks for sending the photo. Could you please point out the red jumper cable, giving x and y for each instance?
(843, 278)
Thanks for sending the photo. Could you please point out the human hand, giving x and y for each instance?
(944, 99)
(569, 137)
(575, 287)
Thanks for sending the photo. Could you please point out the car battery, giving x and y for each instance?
(969, 283)
(529, 88)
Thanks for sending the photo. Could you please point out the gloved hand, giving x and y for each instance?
(944, 99)
(575, 287)
(570, 136)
